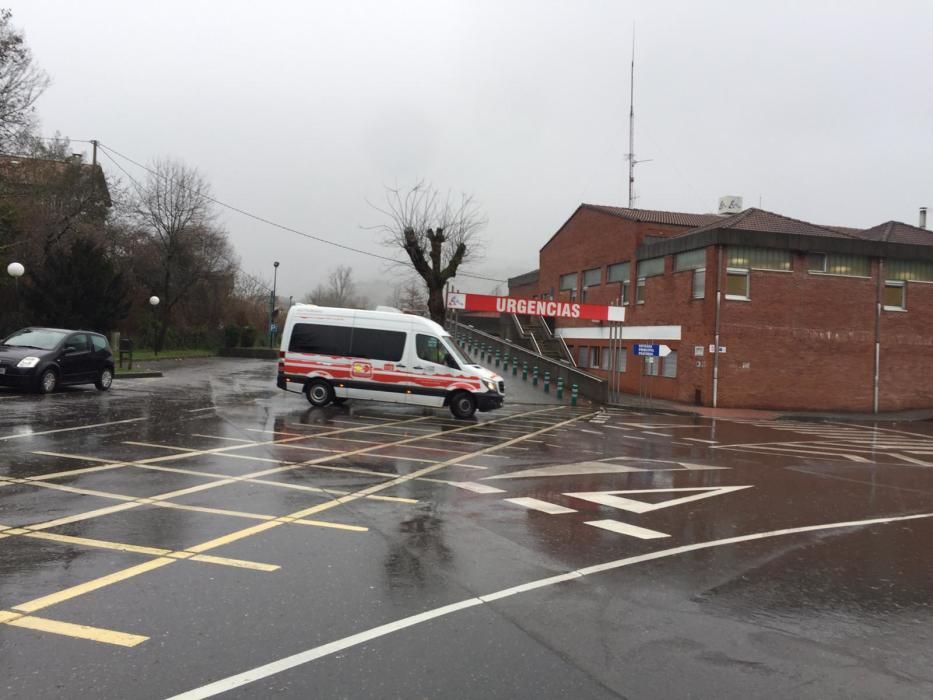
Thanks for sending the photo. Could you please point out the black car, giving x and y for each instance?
(44, 358)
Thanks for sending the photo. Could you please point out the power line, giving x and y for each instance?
(283, 227)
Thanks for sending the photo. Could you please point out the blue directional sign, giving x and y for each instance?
(643, 350)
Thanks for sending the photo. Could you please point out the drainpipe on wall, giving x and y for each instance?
(718, 305)
(878, 302)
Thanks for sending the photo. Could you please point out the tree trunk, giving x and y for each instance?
(436, 305)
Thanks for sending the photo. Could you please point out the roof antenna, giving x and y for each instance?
(630, 156)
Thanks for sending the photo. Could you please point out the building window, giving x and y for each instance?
(759, 258)
(651, 366)
(568, 281)
(699, 283)
(592, 278)
(816, 262)
(640, 291)
(909, 270)
(690, 260)
(625, 292)
(604, 359)
(594, 357)
(737, 283)
(620, 272)
(651, 267)
(894, 295)
(670, 365)
(583, 354)
(835, 264)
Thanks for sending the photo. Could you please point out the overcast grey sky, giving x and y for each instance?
(300, 111)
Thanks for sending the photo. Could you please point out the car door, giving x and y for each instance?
(76, 361)
(431, 373)
(100, 352)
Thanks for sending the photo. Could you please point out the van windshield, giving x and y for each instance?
(461, 357)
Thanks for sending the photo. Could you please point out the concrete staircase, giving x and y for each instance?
(532, 332)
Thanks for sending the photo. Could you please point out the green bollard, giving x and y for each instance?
(505, 362)
(573, 395)
(547, 382)
(525, 372)
(515, 369)
(482, 351)
(497, 357)
(534, 377)
(560, 387)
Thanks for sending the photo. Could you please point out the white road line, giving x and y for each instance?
(591, 432)
(543, 506)
(220, 437)
(196, 410)
(641, 533)
(708, 442)
(275, 667)
(649, 432)
(65, 430)
(467, 485)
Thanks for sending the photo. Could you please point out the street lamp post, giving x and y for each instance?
(275, 277)
(16, 270)
(153, 302)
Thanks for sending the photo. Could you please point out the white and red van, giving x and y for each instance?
(332, 354)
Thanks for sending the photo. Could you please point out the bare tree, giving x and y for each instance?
(339, 291)
(437, 234)
(174, 211)
(410, 298)
(21, 84)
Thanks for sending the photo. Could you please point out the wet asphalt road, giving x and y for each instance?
(200, 528)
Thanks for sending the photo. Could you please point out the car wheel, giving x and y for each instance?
(105, 379)
(462, 405)
(320, 392)
(48, 380)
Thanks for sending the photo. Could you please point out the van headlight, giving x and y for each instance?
(491, 385)
(28, 362)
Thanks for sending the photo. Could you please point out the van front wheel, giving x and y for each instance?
(320, 392)
(462, 405)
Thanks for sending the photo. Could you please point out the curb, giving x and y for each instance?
(136, 375)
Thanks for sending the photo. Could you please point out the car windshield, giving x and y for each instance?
(461, 357)
(40, 338)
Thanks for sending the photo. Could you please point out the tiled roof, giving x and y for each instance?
(898, 232)
(848, 230)
(524, 278)
(759, 220)
(654, 216)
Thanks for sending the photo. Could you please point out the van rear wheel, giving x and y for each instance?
(462, 405)
(320, 392)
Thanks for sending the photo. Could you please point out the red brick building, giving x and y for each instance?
(760, 310)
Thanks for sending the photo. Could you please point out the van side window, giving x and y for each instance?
(316, 339)
(372, 344)
(431, 349)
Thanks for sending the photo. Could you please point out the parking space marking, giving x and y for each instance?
(69, 629)
(197, 550)
(467, 485)
(272, 668)
(220, 437)
(66, 430)
(621, 528)
(543, 506)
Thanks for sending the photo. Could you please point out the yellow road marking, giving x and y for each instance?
(68, 629)
(226, 561)
(336, 526)
(92, 585)
(116, 577)
(7, 615)
(161, 447)
(220, 437)
(84, 516)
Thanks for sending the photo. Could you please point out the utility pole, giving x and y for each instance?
(94, 156)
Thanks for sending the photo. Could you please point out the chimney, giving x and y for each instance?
(923, 217)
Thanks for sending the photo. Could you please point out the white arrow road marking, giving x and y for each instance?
(641, 533)
(468, 485)
(611, 499)
(543, 506)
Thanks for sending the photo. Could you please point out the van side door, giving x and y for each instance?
(434, 370)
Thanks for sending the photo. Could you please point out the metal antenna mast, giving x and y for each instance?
(630, 156)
